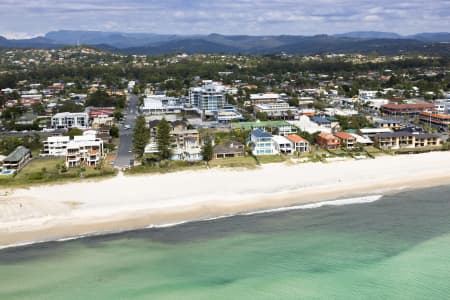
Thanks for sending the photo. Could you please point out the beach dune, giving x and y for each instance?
(131, 202)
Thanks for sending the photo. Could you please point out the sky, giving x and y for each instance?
(27, 18)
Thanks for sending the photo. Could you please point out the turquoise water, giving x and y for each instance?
(395, 248)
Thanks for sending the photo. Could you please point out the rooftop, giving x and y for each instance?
(259, 124)
(296, 138)
(261, 134)
(17, 154)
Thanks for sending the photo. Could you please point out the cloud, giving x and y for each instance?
(31, 17)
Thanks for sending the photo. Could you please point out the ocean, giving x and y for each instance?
(397, 247)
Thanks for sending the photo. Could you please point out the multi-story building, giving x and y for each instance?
(403, 139)
(264, 98)
(16, 160)
(55, 146)
(279, 109)
(282, 144)
(209, 98)
(328, 141)
(346, 140)
(69, 120)
(84, 150)
(299, 144)
(262, 143)
(435, 120)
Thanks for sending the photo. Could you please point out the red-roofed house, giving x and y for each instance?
(347, 140)
(328, 141)
(299, 143)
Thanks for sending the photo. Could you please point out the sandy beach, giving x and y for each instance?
(131, 202)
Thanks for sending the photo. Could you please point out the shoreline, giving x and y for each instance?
(41, 214)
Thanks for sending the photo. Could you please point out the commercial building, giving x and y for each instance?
(410, 109)
(435, 120)
(264, 98)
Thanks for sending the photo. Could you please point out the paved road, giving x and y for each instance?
(124, 154)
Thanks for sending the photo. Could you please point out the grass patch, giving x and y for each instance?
(418, 150)
(268, 159)
(234, 162)
(48, 170)
(167, 166)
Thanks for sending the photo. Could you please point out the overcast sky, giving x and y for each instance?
(25, 18)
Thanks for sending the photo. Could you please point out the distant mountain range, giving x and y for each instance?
(156, 44)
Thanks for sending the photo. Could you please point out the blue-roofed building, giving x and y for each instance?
(262, 143)
(321, 121)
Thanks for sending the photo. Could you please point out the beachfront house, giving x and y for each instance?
(300, 145)
(328, 141)
(228, 149)
(17, 159)
(283, 145)
(347, 140)
(262, 143)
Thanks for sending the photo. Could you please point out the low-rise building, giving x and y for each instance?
(228, 149)
(392, 124)
(264, 98)
(299, 144)
(410, 109)
(328, 141)
(17, 159)
(404, 139)
(435, 120)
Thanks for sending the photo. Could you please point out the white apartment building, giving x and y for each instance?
(210, 97)
(70, 120)
(84, 150)
(282, 144)
(264, 98)
(55, 146)
(364, 94)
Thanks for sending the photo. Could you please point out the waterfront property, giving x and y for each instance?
(55, 146)
(262, 143)
(16, 160)
(228, 149)
(283, 145)
(328, 141)
(403, 139)
(299, 144)
(84, 150)
(347, 140)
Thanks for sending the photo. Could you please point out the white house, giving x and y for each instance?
(262, 143)
(282, 144)
(70, 120)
